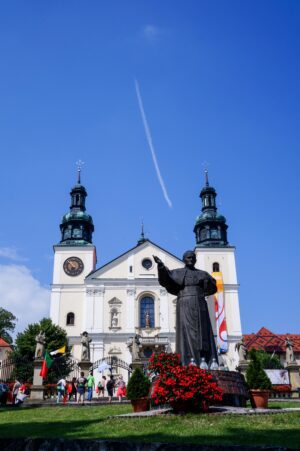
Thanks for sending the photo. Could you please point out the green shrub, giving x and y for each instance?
(138, 385)
(269, 361)
(255, 375)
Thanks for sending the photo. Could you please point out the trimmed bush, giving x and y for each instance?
(255, 375)
(138, 385)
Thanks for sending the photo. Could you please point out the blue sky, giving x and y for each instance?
(220, 84)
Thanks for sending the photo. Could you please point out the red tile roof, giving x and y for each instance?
(4, 344)
(268, 341)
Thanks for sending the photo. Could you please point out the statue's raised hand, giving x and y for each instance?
(158, 260)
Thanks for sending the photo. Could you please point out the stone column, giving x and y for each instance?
(37, 389)
(293, 369)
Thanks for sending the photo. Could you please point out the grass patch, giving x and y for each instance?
(94, 423)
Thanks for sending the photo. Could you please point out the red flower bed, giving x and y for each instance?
(189, 387)
(281, 388)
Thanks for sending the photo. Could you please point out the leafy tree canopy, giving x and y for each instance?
(7, 324)
(23, 354)
(269, 361)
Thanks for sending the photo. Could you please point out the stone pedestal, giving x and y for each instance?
(293, 369)
(243, 366)
(137, 364)
(37, 389)
(85, 366)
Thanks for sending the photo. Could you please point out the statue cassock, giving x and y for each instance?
(194, 335)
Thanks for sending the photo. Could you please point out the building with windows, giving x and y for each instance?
(123, 298)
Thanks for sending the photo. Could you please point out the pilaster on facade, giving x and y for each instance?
(164, 310)
(131, 304)
(94, 309)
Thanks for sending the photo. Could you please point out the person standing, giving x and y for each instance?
(72, 390)
(121, 388)
(80, 386)
(61, 387)
(90, 385)
(110, 385)
(15, 390)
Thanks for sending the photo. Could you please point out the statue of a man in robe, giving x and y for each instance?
(40, 345)
(194, 335)
(85, 346)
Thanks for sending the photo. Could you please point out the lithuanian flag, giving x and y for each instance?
(47, 362)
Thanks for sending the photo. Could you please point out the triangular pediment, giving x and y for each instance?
(136, 263)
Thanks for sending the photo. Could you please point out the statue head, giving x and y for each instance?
(189, 258)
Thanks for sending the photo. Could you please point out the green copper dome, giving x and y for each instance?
(77, 226)
(210, 227)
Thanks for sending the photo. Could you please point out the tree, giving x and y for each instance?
(24, 351)
(7, 324)
(138, 385)
(269, 361)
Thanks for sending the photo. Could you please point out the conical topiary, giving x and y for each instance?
(255, 376)
(138, 385)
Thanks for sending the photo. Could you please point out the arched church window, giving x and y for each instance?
(214, 233)
(77, 201)
(70, 319)
(216, 267)
(203, 234)
(147, 312)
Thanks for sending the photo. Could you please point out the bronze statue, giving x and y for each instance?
(194, 335)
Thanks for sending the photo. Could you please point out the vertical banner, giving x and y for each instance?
(222, 343)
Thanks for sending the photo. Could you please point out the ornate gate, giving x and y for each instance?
(113, 363)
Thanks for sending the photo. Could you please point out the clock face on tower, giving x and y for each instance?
(73, 266)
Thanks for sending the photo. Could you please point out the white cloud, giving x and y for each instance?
(151, 32)
(12, 254)
(23, 295)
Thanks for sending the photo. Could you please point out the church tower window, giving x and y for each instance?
(147, 312)
(70, 319)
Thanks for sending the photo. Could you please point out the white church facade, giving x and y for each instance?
(123, 298)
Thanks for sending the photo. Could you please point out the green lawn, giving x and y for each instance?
(95, 422)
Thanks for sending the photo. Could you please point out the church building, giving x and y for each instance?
(122, 298)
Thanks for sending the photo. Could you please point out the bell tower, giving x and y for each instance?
(74, 259)
(215, 255)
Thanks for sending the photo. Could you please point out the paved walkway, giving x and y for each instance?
(224, 410)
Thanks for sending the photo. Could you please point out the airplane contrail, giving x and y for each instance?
(150, 143)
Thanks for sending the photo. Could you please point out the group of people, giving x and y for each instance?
(15, 393)
(77, 388)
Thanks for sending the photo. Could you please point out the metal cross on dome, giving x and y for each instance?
(205, 164)
(79, 165)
